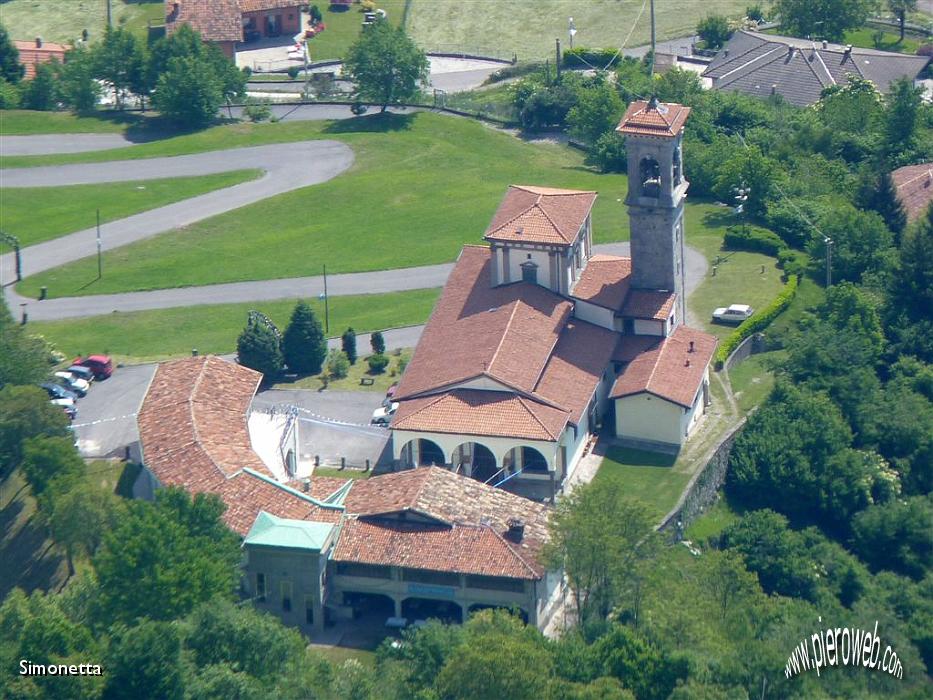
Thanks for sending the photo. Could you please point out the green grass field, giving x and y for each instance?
(422, 186)
(69, 209)
(18, 122)
(739, 278)
(719, 516)
(156, 335)
(529, 29)
(752, 380)
(651, 477)
(62, 21)
(343, 28)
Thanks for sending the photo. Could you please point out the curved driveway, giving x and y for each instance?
(287, 167)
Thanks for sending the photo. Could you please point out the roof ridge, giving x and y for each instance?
(777, 47)
(508, 325)
(194, 423)
(522, 400)
(825, 68)
(289, 489)
(927, 173)
(550, 220)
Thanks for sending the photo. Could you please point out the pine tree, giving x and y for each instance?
(258, 348)
(889, 206)
(304, 345)
(377, 343)
(348, 344)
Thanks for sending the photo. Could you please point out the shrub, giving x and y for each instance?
(714, 30)
(348, 344)
(582, 57)
(257, 111)
(792, 262)
(377, 342)
(9, 95)
(514, 71)
(758, 322)
(756, 240)
(755, 13)
(315, 13)
(377, 363)
(293, 71)
(337, 366)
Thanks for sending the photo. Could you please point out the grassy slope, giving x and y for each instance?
(529, 29)
(153, 335)
(68, 209)
(343, 28)
(413, 197)
(648, 476)
(18, 122)
(752, 380)
(62, 21)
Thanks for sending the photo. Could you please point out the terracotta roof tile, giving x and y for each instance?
(476, 412)
(669, 370)
(642, 303)
(248, 493)
(914, 184)
(540, 215)
(663, 119)
(631, 346)
(214, 20)
(257, 5)
(605, 281)
(505, 333)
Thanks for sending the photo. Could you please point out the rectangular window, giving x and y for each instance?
(286, 595)
(261, 588)
(309, 609)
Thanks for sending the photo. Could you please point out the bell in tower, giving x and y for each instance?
(653, 134)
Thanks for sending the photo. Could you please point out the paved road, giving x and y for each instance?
(106, 421)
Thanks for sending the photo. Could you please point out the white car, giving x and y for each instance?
(76, 384)
(734, 314)
(383, 414)
(67, 405)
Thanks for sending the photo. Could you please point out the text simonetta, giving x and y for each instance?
(27, 668)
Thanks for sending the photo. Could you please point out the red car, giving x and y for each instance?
(100, 365)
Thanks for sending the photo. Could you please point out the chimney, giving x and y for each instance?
(825, 44)
(516, 529)
(687, 363)
(38, 42)
(790, 52)
(691, 347)
(725, 53)
(774, 88)
(306, 485)
(847, 53)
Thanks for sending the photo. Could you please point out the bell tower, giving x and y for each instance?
(657, 187)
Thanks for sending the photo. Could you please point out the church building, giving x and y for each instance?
(537, 344)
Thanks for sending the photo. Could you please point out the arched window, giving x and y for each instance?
(650, 173)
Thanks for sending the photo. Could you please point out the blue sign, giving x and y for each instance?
(434, 591)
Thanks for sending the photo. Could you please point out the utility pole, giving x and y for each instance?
(829, 261)
(651, 66)
(109, 14)
(99, 264)
(326, 304)
(557, 41)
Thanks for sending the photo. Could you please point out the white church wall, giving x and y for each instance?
(517, 256)
(690, 419)
(499, 446)
(591, 313)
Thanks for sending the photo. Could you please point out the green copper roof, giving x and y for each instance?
(271, 531)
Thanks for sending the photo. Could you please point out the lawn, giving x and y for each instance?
(343, 28)
(18, 122)
(649, 476)
(156, 335)
(528, 29)
(69, 209)
(740, 277)
(890, 40)
(62, 22)
(341, 473)
(337, 655)
(422, 186)
(358, 371)
(752, 380)
(716, 519)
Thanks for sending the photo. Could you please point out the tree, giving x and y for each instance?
(11, 70)
(25, 412)
(877, 192)
(24, 358)
(337, 365)
(385, 65)
(827, 19)
(714, 30)
(258, 348)
(608, 153)
(897, 536)
(188, 92)
(163, 559)
(79, 90)
(119, 62)
(348, 344)
(641, 665)
(900, 8)
(901, 116)
(41, 93)
(377, 363)
(81, 512)
(601, 538)
(910, 293)
(597, 111)
(304, 346)
(145, 661)
(377, 343)
(862, 244)
(48, 458)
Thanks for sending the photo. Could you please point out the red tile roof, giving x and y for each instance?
(540, 215)
(642, 303)
(605, 281)
(631, 346)
(914, 184)
(669, 369)
(31, 55)
(257, 5)
(663, 119)
(214, 20)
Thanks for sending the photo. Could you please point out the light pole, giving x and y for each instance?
(741, 198)
(829, 261)
(572, 30)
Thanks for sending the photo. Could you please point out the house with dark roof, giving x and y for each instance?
(413, 544)
(800, 69)
(229, 22)
(536, 344)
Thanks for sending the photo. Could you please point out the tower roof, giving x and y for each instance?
(653, 118)
(540, 215)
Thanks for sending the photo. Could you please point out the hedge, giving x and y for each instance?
(753, 239)
(582, 57)
(758, 322)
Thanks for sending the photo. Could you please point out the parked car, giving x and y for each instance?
(57, 391)
(383, 414)
(72, 383)
(81, 372)
(68, 406)
(100, 365)
(732, 314)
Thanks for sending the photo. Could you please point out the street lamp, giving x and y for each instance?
(24, 316)
(572, 30)
(829, 261)
(741, 198)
